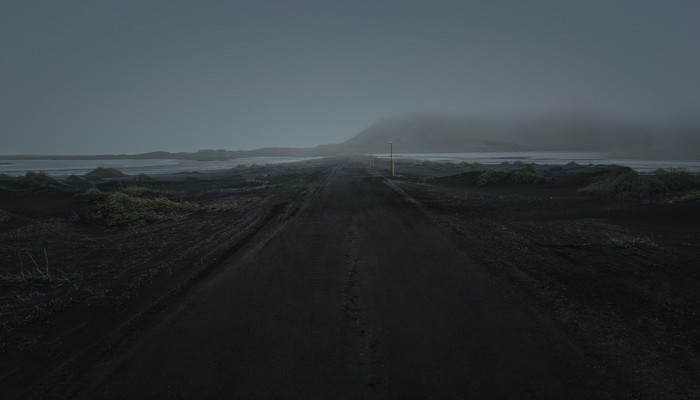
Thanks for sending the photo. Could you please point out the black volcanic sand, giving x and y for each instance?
(105, 276)
(619, 275)
(623, 275)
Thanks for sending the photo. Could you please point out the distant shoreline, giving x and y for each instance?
(157, 166)
(175, 156)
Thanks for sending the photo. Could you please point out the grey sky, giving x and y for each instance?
(132, 76)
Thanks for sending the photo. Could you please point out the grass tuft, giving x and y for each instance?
(693, 195)
(632, 242)
(137, 206)
(94, 194)
(123, 209)
(527, 175)
(35, 274)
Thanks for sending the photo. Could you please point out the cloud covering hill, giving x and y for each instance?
(444, 134)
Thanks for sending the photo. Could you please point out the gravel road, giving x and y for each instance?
(354, 295)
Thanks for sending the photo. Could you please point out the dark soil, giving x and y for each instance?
(619, 276)
(102, 277)
(623, 275)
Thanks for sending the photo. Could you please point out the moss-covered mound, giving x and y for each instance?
(100, 172)
(138, 205)
(625, 182)
(500, 177)
(74, 179)
(38, 180)
(120, 208)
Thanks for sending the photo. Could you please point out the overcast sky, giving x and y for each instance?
(91, 76)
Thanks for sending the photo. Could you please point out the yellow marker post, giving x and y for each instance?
(391, 155)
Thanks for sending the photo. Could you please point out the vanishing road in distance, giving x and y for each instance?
(355, 295)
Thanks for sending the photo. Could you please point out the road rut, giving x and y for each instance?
(357, 295)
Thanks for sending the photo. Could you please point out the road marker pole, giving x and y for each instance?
(391, 156)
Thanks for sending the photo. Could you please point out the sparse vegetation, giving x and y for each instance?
(632, 242)
(625, 182)
(120, 208)
(137, 206)
(35, 274)
(676, 180)
(220, 207)
(693, 195)
(470, 167)
(100, 172)
(526, 175)
(38, 180)
(73, 179)
(528, 169)
(142, 191)
(94, 194)
(254, 182)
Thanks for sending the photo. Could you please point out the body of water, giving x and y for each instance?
(550, 158)
(61, 168)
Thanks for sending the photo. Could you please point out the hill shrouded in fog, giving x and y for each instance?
(445, 134)
(449, 134)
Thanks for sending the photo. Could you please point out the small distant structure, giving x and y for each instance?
(391, 157)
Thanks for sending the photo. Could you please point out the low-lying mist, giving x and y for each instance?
(619, 138)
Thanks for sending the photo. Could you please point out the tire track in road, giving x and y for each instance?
(355, 296)
(358, 306)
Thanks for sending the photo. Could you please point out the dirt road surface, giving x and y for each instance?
(355, 295)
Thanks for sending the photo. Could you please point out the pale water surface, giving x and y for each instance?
(550, 158)
(154, 167)
(134, 167)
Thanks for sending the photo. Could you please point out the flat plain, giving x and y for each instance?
(328, 279)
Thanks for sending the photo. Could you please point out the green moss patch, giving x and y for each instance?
(137, 206)
(625, 182)
(525, 176)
